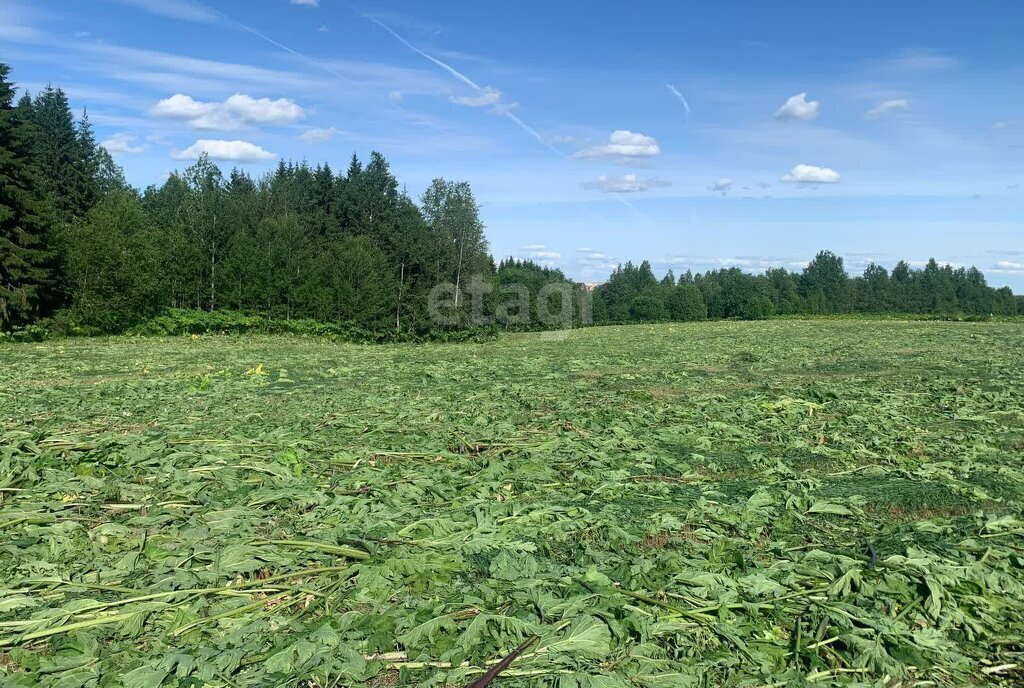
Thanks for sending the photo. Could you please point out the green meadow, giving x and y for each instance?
(825, 502)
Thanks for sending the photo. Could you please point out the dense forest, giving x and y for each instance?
(633, 293)
(81, 251)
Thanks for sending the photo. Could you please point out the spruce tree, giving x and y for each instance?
(88, 161)
(23, 229)
(58, 154)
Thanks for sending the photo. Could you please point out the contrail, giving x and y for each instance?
(284, 47)
(534, 133)
(443, 65)
(675, 91)
(212, 12)
(451, 70)
(464, 79)
(511, 115)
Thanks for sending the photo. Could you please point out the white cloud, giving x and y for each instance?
(307, 3)
(484, 97)
(488, 97)
(234, 151)
(628, 183)
(318, 135)
(593, 260)
(1009, 267)
(811, 174)
(177, 9)
(942, 263)
(121, 144)
(887, 107)
(180, 106)
(724, 184)
(623, 144)
(234, 113)
(920, 60)
(504, 108)
(264, 110)
(751, 264)
(798, 108)
(539, 252)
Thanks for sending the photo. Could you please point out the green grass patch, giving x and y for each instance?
(787, 502)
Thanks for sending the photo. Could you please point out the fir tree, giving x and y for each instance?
(24, 277)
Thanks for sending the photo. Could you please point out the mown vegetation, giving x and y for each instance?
(82, 252)
(773, 503)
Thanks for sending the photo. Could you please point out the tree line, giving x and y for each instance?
(634, 294)
(84, 252)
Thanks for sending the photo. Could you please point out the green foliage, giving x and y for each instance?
(24, 262)
(112, 263)
(176, 322)
(351, 249)
(353, 283)
(627, 283)
(68, 159)
(527, 295)
(645, 308)
(686, 303)
(823, 288)
(789, 503)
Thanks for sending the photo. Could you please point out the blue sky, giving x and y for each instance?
(697, 135)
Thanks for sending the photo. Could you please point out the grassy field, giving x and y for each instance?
(676, 505)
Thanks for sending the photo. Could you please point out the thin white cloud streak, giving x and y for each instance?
(177, 9)
(316, 63)
(284, 47)
(488, 96)
(629, 183)
(534, 133)
(194, 11)
(466, 80)
(674, 91)
(443, 65)
(315, 135)
(887, 107)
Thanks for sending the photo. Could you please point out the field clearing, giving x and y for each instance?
(730, 503)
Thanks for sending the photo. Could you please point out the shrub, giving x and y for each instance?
(687, 304)
(648, 309)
